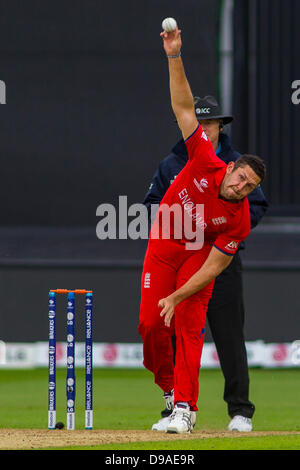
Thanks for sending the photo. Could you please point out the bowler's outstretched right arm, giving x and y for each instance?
(181, 95)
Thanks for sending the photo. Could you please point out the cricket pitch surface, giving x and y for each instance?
(18, 439)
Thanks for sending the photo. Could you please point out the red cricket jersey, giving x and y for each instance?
(196, 205)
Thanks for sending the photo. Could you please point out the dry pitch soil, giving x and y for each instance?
(18, 439)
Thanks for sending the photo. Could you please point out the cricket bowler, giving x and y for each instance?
(210, 199)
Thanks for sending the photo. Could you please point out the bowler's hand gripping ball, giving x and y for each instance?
(169, 25)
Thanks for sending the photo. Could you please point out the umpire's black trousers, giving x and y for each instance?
(225, 316)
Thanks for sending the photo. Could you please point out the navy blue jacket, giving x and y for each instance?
(172, 165)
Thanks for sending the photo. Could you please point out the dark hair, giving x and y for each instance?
(256, 163)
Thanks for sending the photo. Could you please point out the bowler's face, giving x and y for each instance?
(238, 184)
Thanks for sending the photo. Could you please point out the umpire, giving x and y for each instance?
(225, 312)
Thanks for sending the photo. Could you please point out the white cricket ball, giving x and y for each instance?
(169, 25)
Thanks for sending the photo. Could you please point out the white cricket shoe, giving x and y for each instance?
(240, 423)
(163, 423)
(182, 420)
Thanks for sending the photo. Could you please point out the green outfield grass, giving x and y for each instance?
(241, 443)
(128, 399)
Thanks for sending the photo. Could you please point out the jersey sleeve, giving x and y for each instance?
(228, 242)
(228, 245)
(200, 147)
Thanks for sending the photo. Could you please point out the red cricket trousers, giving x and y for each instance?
(167, 266)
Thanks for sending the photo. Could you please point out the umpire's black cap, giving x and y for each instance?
(208, 108)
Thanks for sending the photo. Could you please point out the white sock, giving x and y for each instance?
(183, 404)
